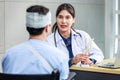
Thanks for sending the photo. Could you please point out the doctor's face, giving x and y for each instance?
(64, 21)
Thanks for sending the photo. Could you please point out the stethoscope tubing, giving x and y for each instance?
(72, 29)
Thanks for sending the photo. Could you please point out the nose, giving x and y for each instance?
(63, 20)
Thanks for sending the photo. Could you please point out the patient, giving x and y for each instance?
(20, 60)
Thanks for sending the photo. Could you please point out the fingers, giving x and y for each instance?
(79, 57)
(84, 58)
(75, 60)
(87, 61)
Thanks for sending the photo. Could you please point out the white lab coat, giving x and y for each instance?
(79, 44)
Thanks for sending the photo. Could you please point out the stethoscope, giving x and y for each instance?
(72, 29)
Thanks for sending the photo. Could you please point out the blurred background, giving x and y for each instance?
(99, 18)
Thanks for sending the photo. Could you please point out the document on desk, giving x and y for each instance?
(82, 65)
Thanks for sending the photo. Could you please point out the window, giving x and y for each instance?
(117, 23)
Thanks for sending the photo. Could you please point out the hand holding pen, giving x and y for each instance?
(88, 47)
(84, 58)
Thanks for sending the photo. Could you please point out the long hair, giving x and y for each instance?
(64, 6)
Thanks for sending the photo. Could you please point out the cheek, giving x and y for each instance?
(71, 22)
(58, 20)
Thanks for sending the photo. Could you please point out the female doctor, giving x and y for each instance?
(73, 42)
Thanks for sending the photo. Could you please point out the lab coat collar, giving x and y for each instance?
(59, 38)
(74, 32)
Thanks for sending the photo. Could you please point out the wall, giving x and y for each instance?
(89, 17)
(1, 28)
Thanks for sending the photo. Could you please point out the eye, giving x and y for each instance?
(68, 17)
(59, 16)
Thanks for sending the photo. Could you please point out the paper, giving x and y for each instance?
(82, 65)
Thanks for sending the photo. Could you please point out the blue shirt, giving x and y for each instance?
(19, 59)
(69, 47)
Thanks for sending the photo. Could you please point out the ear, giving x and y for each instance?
(46, 28)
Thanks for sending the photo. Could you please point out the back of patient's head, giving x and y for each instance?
(37, 17)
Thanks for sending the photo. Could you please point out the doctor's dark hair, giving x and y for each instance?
(65, 6)
(37, 9)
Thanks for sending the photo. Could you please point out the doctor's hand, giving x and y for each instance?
(84, 58)
(79, 57)
(87, 61)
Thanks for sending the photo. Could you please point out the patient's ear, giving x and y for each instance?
(47, 28)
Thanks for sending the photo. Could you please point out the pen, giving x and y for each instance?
(88, 46)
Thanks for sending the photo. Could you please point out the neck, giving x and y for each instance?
(39, 37)
(65, 34)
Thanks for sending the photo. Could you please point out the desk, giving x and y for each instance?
(95, 73)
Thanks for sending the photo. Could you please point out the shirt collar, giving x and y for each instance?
(59, 38)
